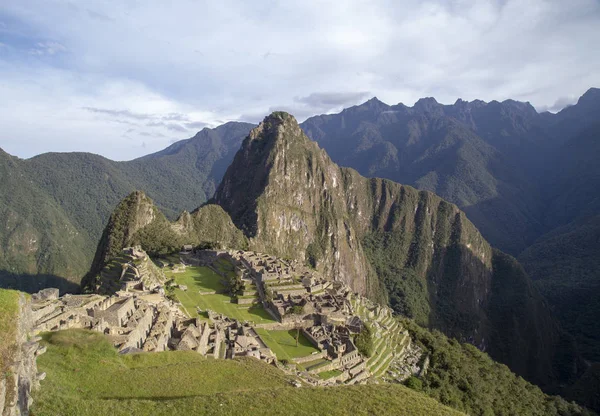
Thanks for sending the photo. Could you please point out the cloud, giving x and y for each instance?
(559, 104)
(196, 125)
(183, 64)
(120, 113)
(169, 126)
(47, 48)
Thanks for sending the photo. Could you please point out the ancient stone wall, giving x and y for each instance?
(15, 390)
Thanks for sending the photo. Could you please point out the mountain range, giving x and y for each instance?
(527, 181)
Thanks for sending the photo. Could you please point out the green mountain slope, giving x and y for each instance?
(63, 201)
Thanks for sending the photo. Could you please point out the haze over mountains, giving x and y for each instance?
(527, 181)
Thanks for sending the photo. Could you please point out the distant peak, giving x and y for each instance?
(520, 106)
(374, 104)
(426, 104)
(591, 96)
(374, 100)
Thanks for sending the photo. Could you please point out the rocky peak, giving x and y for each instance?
(590, 97)
(372, 106)
(428, 105)
(279, 125)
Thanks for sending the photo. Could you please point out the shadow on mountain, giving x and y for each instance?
(477, 295)
(32, 283)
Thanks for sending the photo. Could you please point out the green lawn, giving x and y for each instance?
(198, 279)
(87, 377)
(283, 344)
(326, 375)
(202, 278)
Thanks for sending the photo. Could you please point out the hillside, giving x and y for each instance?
(383, 239)
(95, 380)
(466, 379)
(55, 195)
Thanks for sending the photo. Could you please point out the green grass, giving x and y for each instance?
(326, 375)
(283, 344)
(316, 364)
(199, 279)
(86, 377)
(9, 309)
(204, 279)
(225, 267)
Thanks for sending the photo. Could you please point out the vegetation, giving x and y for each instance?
(64, 200)
(296, 310)
(9, 311)
(85, 377)
(326, 375)
(364, 341)
(283, 343)
(407, 293)
(203, 279)
(462, 377)
(414, 383)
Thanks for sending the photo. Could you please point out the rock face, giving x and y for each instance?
(290, 199)
(287, 196)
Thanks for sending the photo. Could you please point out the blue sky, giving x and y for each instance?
(126, 78)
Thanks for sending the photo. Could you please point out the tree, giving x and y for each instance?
(364, 341)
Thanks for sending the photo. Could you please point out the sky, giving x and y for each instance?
(124, 78)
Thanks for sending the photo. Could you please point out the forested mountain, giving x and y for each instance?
(56, 205)
(389, 241)
(530, 182)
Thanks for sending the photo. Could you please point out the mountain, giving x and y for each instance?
(56, 205)
(386, 240)
(528, 181)
(565, 261)
(457, 152)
